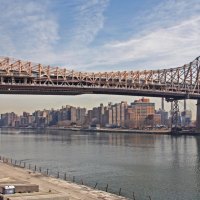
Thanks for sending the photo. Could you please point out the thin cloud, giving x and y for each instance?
(29, 28)
(89, 21)
(169, 37)
(171, 42)
(163, 48)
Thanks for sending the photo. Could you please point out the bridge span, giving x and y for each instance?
(24, 77)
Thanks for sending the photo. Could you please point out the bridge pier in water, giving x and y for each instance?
(175, 114)
(175, 123)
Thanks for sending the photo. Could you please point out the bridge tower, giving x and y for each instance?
(174, 113)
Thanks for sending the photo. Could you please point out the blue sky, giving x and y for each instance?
(97, 35)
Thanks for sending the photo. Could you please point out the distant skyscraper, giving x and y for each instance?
(186, 117)
(114, 115)
(164, 117)
(80, 115)
(123, 107)
(73, 114)
(108, 117)
(138, 112)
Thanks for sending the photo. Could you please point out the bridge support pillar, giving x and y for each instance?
(198, 117)
(175, 124)
(175, 114)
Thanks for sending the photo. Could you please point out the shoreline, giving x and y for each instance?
(114, 130)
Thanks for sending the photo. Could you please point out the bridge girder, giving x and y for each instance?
(180, 82)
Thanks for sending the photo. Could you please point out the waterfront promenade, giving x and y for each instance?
(49, 187)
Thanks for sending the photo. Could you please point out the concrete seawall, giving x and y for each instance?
(49, 188)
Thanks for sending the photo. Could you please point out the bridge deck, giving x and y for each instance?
(22, 77)
(67, 90)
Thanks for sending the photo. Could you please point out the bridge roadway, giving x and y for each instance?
(78, 90)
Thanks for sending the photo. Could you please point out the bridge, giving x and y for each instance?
(24, 77)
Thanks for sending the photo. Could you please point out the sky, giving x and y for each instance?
(97, 35)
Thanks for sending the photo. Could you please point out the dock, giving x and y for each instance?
(49, 188)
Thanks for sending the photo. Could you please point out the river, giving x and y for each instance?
(160, 166)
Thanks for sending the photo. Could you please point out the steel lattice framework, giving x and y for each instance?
(23, 77)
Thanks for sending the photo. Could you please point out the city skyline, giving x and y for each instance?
(9, 104)
(112, 115)
(138, 114)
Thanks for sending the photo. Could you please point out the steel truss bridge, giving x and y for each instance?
(24, 77)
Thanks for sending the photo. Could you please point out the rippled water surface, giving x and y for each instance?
(164, 167)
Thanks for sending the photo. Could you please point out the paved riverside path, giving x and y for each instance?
(49, 188)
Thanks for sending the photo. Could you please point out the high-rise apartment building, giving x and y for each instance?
(108, 118)
(186, 117)
(73, 115)
(164, 117)
(114, 115)
(80, 115)
(118, 114)
(9, 119)
(138, 112)
(123, 108)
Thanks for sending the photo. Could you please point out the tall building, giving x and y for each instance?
(23, 121)
(153, 120)
(108, 122)
(114, 115)
(80, 115)
(123, 107)
(118, 114)
(64, 113)
(164, 117)
(9, 119)
(186, 117)
(101, 114)
(138, 112)
(73, 114)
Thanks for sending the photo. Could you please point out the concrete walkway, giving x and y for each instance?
(49, 188)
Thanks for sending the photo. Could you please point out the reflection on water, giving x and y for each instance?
(165, 167)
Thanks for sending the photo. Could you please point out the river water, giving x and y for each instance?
(162, 166)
